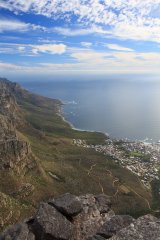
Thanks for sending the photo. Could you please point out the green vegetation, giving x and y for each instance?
(53, 146)
(63, 167)
(136, 154)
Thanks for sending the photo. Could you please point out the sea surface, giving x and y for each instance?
(123, 109)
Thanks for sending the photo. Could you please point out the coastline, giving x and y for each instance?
(61, 114)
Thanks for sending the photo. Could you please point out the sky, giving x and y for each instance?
(67, 37)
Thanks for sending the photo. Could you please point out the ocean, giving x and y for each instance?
(122, 109)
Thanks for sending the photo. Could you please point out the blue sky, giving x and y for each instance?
(50, 37)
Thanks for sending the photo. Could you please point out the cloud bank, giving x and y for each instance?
(132, 19)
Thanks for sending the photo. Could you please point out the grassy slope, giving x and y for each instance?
(63, 167)
(60, 157)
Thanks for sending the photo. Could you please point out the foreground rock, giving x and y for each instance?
(115, 224)
(18, 232)
(51, 224)
(95, 213)
(68, 204)
(64, 218)
(145, 228)
(86, 217)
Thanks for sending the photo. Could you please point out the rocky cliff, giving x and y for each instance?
(16, 158)
(15, 154)
(86, 217)
(8, 103)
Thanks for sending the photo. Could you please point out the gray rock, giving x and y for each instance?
(96, 237)
(115, 224)
(91, 219)
(18, 232)
(144, 228)
(50, 224)
(15, 154)
(103, 203)
(67, 204)
(89, 224)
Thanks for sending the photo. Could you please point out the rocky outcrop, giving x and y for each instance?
(7, 131)
(8, 104)
(15, 154)
(66, 217)
(144, 228)
(19, 232)
(69, 205)
(85, 217)
(115, 224)
(96, 211)
(49, 223)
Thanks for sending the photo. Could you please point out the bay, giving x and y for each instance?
(123, 109)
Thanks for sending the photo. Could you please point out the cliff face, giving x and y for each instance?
(86, 217)
(15, 154)
(16, 158)
(8, 105)
(7, 131)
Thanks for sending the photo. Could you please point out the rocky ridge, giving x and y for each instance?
(15, 154)
(86, 217)
(16, 158)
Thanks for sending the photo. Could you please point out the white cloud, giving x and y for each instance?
(30, 49)
(21, 48)
(11, 24)
(49, 48)
(132, 19)
(86, 44)
(84, 60)
(73, 32)
(9, 66)
(80, 31)
(118, 61)
(119, 48)
(138, 32)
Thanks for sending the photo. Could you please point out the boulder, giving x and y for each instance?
(144, 228)
(115, 224)
(18, 232)
(89, 224)
(103, 202)
(67, 204)
(91, 218)
(51, 224)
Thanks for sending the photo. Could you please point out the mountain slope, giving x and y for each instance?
(38, 158)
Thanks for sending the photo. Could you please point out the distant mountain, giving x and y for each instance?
(38, 159)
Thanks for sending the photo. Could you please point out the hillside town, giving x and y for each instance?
(139, 157)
